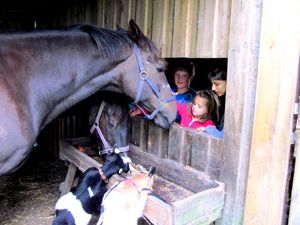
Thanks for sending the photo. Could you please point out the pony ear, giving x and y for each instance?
(134, 32)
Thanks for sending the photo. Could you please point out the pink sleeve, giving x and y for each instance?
(181, 107)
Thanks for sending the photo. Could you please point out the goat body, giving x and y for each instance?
(78, 206)
(125, 201)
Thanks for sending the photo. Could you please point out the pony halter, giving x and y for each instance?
(107, 147)
(144, 77)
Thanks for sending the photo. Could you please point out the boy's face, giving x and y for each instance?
(181, 79)
(219, 87)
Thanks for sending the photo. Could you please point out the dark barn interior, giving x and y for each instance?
(37, 181)
(228, 34)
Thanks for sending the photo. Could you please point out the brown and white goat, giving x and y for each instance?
(125, 201)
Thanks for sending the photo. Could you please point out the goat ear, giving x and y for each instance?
(134, 32)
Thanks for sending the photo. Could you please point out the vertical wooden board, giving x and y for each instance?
(199, 152)
(205, 28)
(221, 29)
(88, 13)
(93, 11)
(144, 9)
(168, 28)
(278, 74)
(163, 144)
(294, 215)
(69, 16)
(214, 158)
(117, 13)
(100, 12)
(158, 212)
(180, 28)
(153, 139)
(128, 11)
(175, 142)
(185, 151)
(158, 23)
(139, 132)
(135, 134)
(125, 13)
(191, 32)
(81, 12)
(201, 208)
(109, 14)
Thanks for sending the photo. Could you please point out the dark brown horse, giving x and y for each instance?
(44, 73)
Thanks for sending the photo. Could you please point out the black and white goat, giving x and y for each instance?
(125, 201)
(78, 206)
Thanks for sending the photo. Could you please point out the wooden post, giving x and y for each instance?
(294, 216)
(240, 102)
(261, 87)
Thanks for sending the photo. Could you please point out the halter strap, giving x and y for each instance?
(107, 147)
(96, 126)
(144, 77)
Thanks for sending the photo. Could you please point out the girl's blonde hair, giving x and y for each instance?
(213, 104)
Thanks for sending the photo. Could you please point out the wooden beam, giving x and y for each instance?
(243, 58)
(273, 120)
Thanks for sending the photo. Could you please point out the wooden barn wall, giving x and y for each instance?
(188, 147)
(180, 28)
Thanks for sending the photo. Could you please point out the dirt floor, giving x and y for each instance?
(28, 196)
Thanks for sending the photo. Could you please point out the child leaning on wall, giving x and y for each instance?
(218, 78)
(201, 112)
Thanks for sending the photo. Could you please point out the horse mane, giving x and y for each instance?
(112, 43)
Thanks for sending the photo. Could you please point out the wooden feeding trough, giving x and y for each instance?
(186, 196)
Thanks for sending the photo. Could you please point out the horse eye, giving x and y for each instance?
(160, 70)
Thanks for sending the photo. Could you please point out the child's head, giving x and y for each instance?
(183, 75)
(205, 105)
(218, 80)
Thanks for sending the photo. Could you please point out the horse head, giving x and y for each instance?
(148, 79)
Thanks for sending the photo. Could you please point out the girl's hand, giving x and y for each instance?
(201, 128)
(135, 112)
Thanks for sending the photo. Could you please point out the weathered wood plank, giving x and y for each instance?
(294, 216)
(221, 29)
(66, 186)
(139, 132)
(205, 28)
(278, 69)
(191, 28)
(200, 208)
(184, 176)
(156, 210)
(176, 138)
(157, 141)
(180, 28)
(100, 12)
(144, 10)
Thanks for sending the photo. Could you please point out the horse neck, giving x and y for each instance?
(72, 73)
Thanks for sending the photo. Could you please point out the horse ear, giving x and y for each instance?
(134, 31)
(119, 28)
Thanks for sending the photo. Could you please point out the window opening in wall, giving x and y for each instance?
(200, 87)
